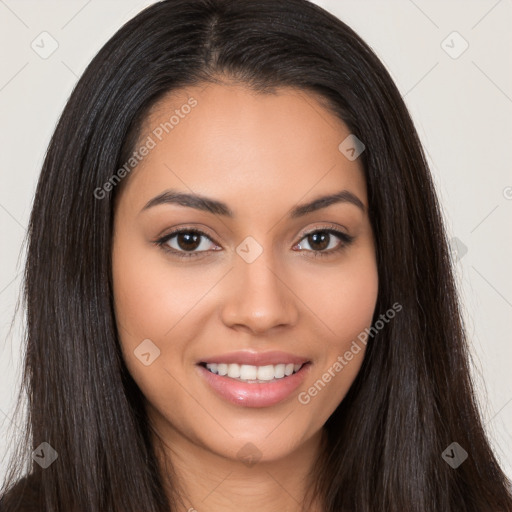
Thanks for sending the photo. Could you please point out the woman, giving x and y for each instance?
(238, 285)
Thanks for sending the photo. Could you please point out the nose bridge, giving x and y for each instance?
(259, 297)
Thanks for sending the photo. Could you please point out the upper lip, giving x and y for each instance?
(256, 358)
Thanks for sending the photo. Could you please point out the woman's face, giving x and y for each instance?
(266, 287)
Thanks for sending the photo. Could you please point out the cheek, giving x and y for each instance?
(354, 313)
(146, 308)
(345, 304)
(352, 302)
(151, 295)
(157, 301)
(343, 297)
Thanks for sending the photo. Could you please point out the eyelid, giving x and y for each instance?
(332, 229)
(344, 238)
(162, 241)
(328, 227)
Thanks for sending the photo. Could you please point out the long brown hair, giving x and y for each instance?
(413, 396)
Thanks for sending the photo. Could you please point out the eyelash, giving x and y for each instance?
(345, 239)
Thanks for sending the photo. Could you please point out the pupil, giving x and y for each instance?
(321, 237)
(188, 241)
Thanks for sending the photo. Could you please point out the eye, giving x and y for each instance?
(325, 241)
(187, 242)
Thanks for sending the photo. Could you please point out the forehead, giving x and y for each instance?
(233, 143)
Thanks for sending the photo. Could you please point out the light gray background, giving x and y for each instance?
(461, 106)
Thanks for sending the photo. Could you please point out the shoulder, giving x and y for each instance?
(24, 496)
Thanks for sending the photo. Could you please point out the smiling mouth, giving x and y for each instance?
(252, 374)
(262, 385)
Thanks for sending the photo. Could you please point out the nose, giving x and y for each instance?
(259, 298)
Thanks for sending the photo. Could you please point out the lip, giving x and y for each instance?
(256, 358)
(256, 394)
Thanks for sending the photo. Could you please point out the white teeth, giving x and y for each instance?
(279, 370)
(247, 372)
(266, 372)
(234, 371)
(212, 367)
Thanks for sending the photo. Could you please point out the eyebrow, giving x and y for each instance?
(206, 204)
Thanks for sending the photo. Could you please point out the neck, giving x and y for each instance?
(198, 479)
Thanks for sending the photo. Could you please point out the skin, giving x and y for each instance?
(262, 155)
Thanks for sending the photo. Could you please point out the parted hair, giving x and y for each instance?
(413, 395)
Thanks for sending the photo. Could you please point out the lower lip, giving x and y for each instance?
(257, 394)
